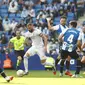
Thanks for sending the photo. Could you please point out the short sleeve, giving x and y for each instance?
(25, 34)
(37, 32)
(80, 36)
(12, 40)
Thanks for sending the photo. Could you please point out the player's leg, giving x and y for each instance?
(20, 58)
(26, 56)
(8, 78)
(43, 58)
(78, 68)
(57, 60)
(59, 55)
(29, 53)
(45, 62)
(64, 55)
(78, 64)
(83, 59)
(17, 53)
(67, 72)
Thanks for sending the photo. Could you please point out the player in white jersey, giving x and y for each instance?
(83, 43)
(38, 47)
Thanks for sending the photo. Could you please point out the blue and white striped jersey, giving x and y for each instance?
(70, 39)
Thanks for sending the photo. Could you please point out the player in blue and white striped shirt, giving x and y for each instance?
(59, 29)
(71, 40)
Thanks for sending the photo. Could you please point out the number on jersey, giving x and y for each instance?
(70, 38)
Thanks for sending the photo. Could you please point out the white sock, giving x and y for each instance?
(7, 78)
(26, 63)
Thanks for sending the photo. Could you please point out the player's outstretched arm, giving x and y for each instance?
(49, 25)
(60, 37)
(79, 44)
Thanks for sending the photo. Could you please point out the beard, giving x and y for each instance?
(31, 30)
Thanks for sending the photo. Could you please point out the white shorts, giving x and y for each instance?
(37, 50)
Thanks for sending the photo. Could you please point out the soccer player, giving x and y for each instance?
(83, 42)
(7, 78)
(18, 42)
(39, 46)
(72, 40)
(60, 28)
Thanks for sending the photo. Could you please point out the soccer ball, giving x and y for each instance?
(20, 73)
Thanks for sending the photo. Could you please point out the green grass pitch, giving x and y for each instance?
(41, 74)
(42, 78)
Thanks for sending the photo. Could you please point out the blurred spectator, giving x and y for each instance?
(1, 26)
(20, 26)
(13, 6)
(31, 15)
(3, 43)
(80, 7)
(55, 10)
(31, 12)
(45, 31)
(5, 1)
(29, 3)
(50, 10)
(13, 24)
(24, 12)
(42, 13)
(62, 1)
(4, 39)
(43, 2)
(6, 24)
(21, 1)
(61, 10)
(20, 4)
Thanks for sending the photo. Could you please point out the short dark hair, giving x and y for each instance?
(30, 24)
(73, 23)
(63, 17)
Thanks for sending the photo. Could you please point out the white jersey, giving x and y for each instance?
(59, 28)
(83, 38)
(35, 37)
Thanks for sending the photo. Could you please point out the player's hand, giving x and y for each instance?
(48, 19)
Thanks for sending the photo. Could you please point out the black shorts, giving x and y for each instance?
(65, 54)
(83, 53)
(19, 53)
(60, 47)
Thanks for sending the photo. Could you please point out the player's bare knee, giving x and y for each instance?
(19, 58)
(69, 58)
(26, 55)
(83, 60)
(43, 61)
